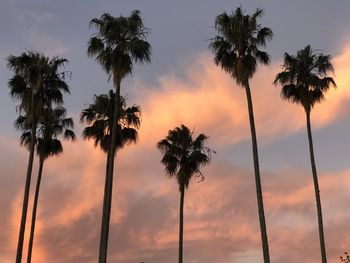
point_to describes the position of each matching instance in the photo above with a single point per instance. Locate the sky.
(183, 85)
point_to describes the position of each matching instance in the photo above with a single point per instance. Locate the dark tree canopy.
(304, 78)
(183, 156)
(118, 42)
(53, 124)
(99, 116)
(236, 46)
(37, 82)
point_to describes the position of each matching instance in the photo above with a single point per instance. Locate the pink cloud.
(208, 99)
(221, 222)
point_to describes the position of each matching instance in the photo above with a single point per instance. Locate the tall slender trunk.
(35, 205)
(26, 195)
(102, 235)
(181, 222)
(264, 240)
(317, 189)
(106, 214)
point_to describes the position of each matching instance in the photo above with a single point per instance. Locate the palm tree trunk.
(265, 243)
(107, 182)
(26, 195)
(35, 205)
(181, 223)
(106, 214)
(317, 189)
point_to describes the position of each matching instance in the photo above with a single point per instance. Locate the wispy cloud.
(209, 100)
(34, 27)
(221, 222)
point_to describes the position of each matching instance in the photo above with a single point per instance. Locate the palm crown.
(237, 43)
(182, 155)
(119, 41)
(99, 116)
(305, 77)
(36, 82)
(53, 124)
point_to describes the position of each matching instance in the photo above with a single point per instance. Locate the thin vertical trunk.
(35, 205)
(107, 183)
(317, 190)
(106, 214)
(264, 240)
(181, 222)
(26, 195)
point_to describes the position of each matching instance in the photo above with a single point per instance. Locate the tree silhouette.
(117, 44)
(236, 49)
(183, 156)
(99, 116)
(53, 124)
(36, 83)
(305, 80)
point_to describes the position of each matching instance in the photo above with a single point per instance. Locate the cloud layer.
(221, 222)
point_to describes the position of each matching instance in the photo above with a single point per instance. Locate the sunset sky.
(183, 85)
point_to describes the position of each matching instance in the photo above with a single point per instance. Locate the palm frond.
(69, 135)
(263, 34)
(25, 139)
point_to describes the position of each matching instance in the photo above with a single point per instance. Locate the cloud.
(209, 100)
(221, 222)
(25, 16)
(34, 27)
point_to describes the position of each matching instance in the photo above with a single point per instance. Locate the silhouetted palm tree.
(236, 49)
(118, 43)
(53, 124)
(36, 83)
(99, 116)
(305, 80)
(183, 157)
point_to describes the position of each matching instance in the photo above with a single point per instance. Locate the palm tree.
(236, 49)
(183, 157)
(36, 83)
(117, 44)
(52, 124)
(305, 80)
(99, 116)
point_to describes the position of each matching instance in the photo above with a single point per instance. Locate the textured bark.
(106, 213)
(317, 190)
(26, 196)
(181, 222)
(35, 205)
(264, 239)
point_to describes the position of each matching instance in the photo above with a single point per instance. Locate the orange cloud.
(221, 222)
(220, 213)
(210, 101)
